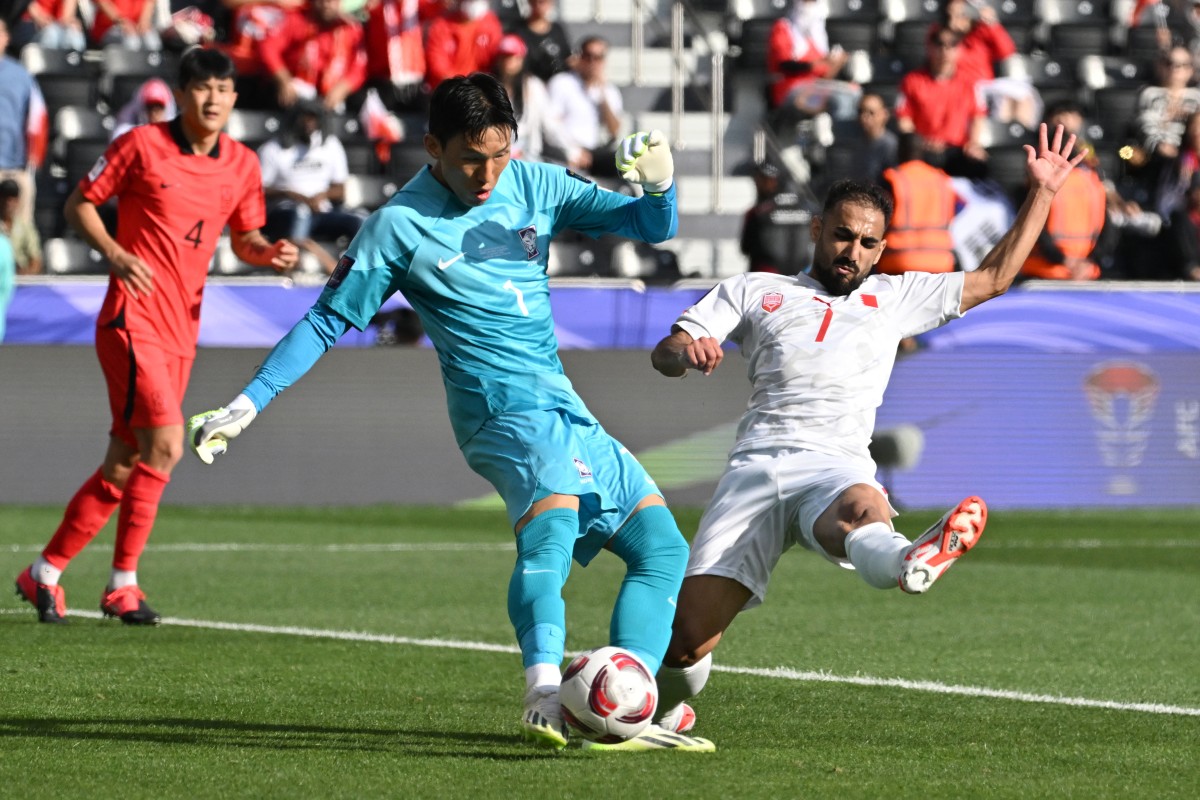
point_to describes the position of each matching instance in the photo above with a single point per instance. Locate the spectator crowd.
(935, 109)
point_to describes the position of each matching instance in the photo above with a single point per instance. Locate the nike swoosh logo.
(671, 600)
(444, 264)
(535, 571)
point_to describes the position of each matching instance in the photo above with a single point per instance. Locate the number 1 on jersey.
(511, 287)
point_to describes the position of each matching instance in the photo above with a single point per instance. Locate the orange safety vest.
(1076, 219)
(918, 239)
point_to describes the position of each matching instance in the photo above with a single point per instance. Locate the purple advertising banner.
(1048, 430)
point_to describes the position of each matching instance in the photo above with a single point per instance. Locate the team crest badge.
(772, 301)
(529, 241)
(585, 473)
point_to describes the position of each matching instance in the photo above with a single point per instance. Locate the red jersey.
(173, 206)
(940, 110)
(784, 45)
(321, 56)
(982, 47)
(128, 9)
(455, 45)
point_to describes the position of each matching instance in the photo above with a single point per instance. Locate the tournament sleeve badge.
(340, 272)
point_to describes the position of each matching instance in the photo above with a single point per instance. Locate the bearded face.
(848, 242)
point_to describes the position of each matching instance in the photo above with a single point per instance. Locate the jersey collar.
(185, 147)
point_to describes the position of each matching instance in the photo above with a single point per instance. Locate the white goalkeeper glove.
(208, 434)
(645, 158)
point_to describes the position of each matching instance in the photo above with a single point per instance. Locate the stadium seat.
(583, 258)
(1071, 41)
(912, 10)
(840, 160)
(1099, 72)
(1005, 134)
(80, 156)
(867, 10)
(368, 191)
(753, 44)
(853, 33)
(908, 42)
(48, 202)
(1141, 44)
(406, 160)
(1016, 15)
(1045, 72)
(64, 77)
(72, 257)
(1057, 12)
(1116, 110)
(1006, 166)
(750, 9)
(81, 122)
(252, 128)
(123, 71)
(37, 60)
(360, 156)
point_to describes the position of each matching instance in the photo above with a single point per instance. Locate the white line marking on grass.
(253, 547)
(1091, 544)
(778, 672)
(496, 547)
(966, 691)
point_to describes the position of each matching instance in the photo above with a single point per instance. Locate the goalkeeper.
(466, 242)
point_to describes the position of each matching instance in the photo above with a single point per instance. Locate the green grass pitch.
(367, 653)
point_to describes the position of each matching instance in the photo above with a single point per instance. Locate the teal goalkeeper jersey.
(477, 278)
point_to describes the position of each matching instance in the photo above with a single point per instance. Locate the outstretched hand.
(1049, 165)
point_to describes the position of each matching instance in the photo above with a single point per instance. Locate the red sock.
(86, 514)
(139, 507)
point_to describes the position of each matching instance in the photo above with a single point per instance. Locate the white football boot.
(542, 723)
(939, 547)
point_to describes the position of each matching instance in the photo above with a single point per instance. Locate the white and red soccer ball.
(608, 695)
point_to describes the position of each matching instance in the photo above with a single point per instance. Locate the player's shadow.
(268, 736)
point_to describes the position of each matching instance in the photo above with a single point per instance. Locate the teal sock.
(535, 604)
(655, 555)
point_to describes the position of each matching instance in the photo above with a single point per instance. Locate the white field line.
(783, 673)
(253, 547)
(490, 547)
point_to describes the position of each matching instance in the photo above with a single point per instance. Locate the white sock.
(876, 551)
(542, 675)
(121, 578)
(44, 572)
(676, 684)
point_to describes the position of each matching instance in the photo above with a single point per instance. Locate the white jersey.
(819, 363)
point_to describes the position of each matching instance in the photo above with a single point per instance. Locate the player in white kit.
(820, 348)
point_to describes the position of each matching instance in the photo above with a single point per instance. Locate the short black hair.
(470, 105)
(203, 63)
(866, 194)
(1065, 105)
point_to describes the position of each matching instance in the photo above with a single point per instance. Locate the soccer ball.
(608, 695)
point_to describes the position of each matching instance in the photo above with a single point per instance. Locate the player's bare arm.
(253, 248)
(1047, 168)
(678, 352)
(85, 219)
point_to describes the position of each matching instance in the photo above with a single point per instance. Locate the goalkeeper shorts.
(529, 455)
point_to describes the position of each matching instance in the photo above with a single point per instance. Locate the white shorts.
(766, 502)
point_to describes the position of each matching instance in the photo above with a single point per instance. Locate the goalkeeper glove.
(208, 434)
(645, 158)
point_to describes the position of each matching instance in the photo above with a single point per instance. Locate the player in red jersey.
(179, 184)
